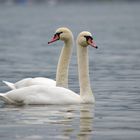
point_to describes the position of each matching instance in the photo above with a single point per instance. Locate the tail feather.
(10, 85)
(5, 99)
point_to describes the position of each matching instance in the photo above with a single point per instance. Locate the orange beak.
(55, 38)
(92, 43)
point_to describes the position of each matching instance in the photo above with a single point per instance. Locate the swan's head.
(63, 34)
(85, 38)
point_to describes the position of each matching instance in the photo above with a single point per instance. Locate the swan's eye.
(88, 37)
(57, 34)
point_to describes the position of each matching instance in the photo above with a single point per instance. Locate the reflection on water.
(86, 122)
(59, 122)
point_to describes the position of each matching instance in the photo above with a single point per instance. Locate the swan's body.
(31, 81)
(41, 94)
(65, 35)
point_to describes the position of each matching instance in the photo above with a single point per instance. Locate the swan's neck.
(84, 80)
(63, 64)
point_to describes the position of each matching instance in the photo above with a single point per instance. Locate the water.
(114, 70)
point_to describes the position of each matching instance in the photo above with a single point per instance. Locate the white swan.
(41, 94)
(65, 35)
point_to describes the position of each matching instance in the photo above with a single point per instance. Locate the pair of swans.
(37, 91)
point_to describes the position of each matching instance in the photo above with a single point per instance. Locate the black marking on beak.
(88, 37)
(57, 34)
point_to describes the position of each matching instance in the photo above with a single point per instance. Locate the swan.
(65, 35)
(41, 94)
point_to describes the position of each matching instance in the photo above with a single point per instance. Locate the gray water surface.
(114, 70)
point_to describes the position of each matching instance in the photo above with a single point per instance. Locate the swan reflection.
(86, 122)
(58, 122)
(79, 124)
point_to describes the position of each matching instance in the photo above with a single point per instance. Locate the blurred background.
(56, 1)
(25, 28)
